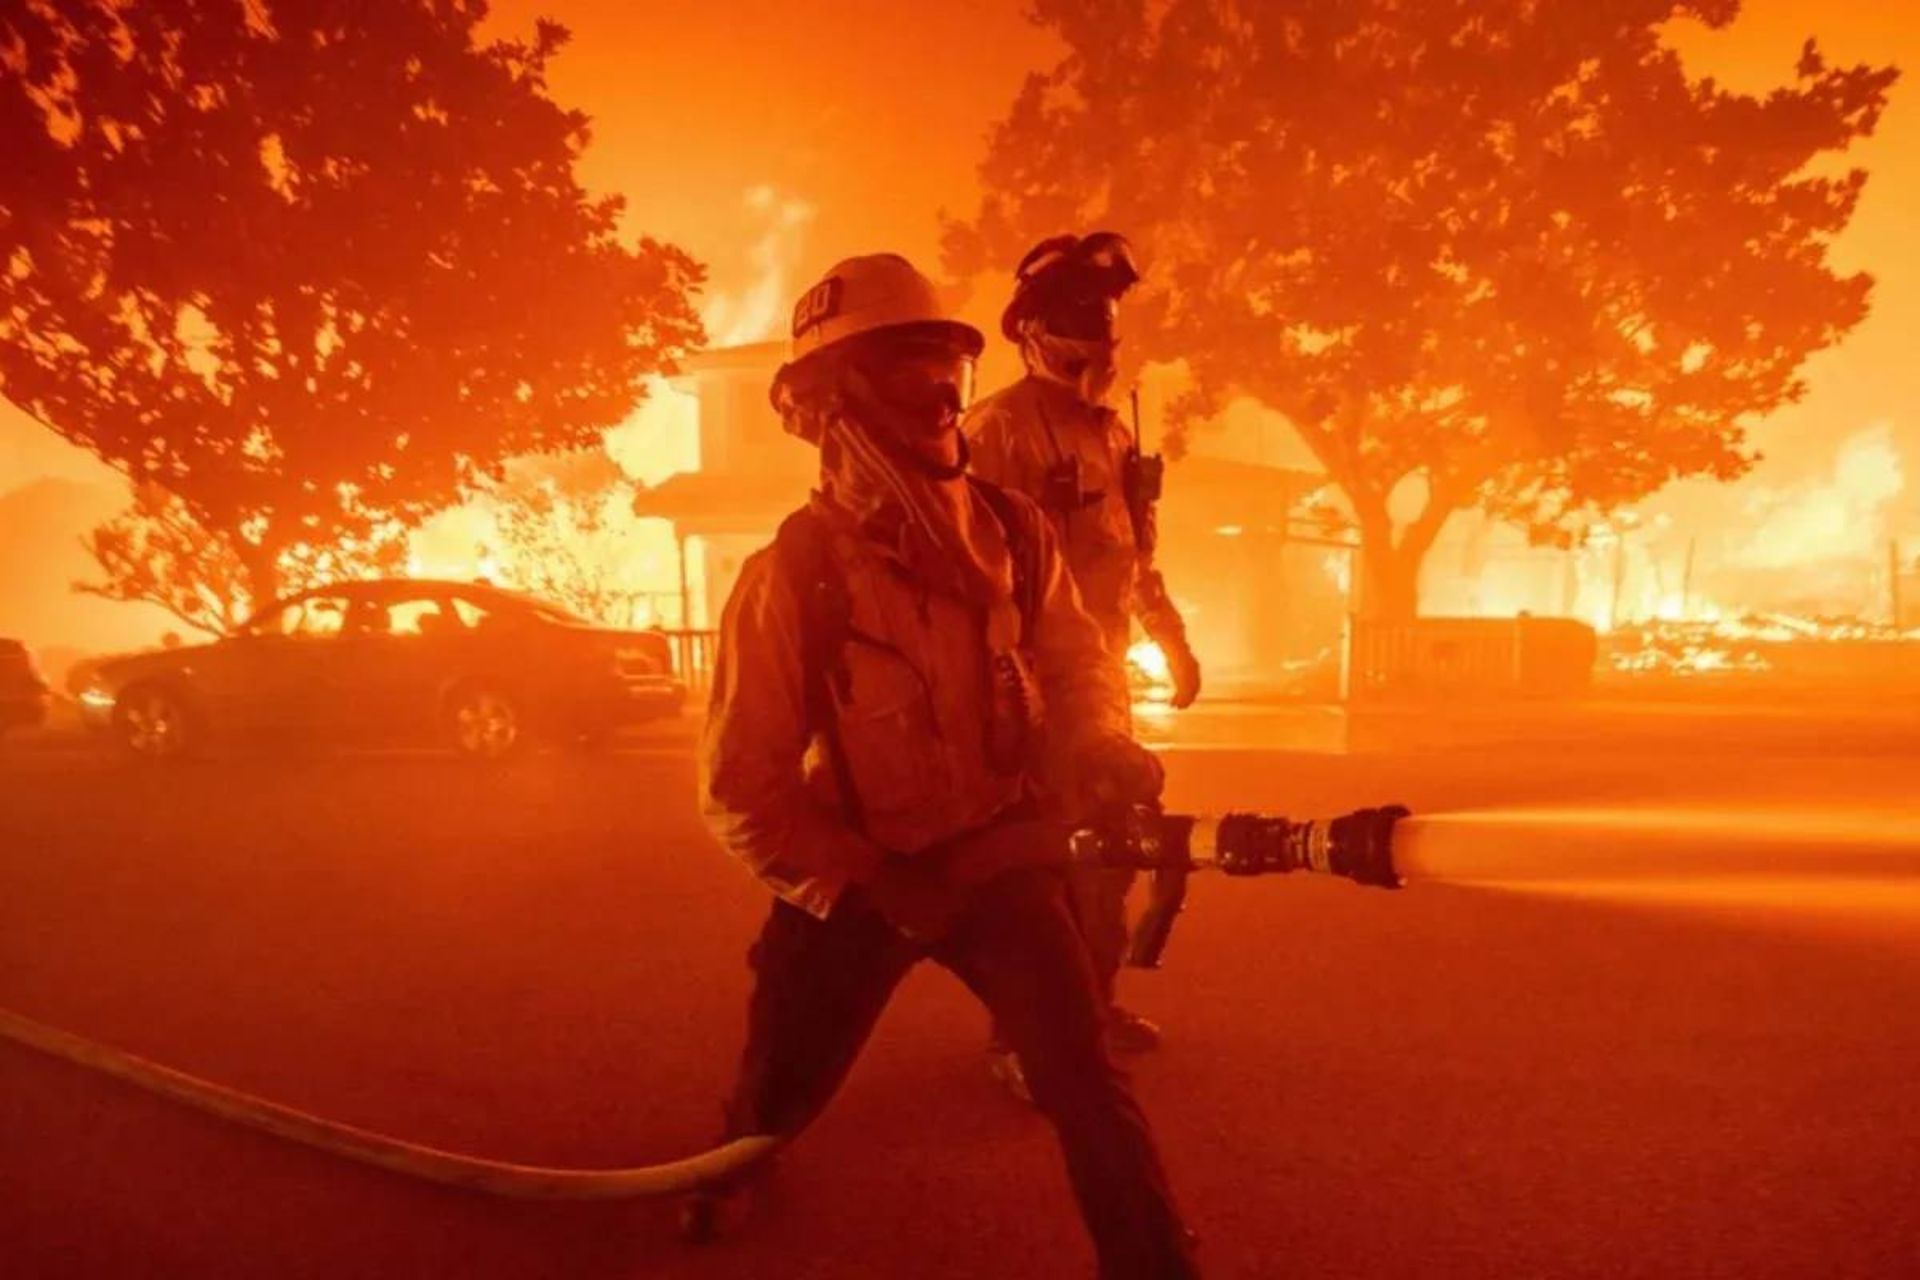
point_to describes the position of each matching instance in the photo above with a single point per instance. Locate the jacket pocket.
(886, 729)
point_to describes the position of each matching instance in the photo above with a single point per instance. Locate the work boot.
(1128, 1032)
(1003, 1064)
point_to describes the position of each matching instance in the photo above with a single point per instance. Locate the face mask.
(1086, 366)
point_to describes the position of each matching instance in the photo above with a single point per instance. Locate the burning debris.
(1754, 643)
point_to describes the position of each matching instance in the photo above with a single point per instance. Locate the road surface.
(544, 963)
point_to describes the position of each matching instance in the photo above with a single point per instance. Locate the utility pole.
(1893, 583)
(1686, 582)
(1619, 577)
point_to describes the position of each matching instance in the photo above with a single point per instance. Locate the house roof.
(712, 502)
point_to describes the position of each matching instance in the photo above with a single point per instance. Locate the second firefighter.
(1053, 437)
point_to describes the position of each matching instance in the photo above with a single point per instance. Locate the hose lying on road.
(494, 1177)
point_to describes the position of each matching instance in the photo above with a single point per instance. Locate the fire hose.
(1356, 846)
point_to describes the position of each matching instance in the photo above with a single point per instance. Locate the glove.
(1185, 670)
(1117, 772)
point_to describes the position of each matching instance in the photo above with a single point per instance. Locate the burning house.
(751, 473)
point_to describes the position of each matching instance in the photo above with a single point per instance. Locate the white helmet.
(866, 295)
(878, 293)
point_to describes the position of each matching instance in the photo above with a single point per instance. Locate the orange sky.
(873, 112)
(861, 119)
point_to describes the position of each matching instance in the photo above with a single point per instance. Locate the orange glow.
(1639, 1004)
(1151, 675)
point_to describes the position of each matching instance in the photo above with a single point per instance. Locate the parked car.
(471, 666)
(23, 691)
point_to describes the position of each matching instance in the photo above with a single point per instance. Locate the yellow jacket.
(912, 713)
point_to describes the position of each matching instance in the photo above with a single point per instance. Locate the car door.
(393, 664)
(271, 675)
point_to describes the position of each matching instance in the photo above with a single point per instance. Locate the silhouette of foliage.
(311, 267)
(567, 533)
(157, 553)
(1503, 252)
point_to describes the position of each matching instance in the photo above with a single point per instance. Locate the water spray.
(1645, 847)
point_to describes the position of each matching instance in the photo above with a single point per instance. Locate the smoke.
(754, 313)
(1844, 516)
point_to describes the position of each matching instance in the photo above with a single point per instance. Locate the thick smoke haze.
(770, 140)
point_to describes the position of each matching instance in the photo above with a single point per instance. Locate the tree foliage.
(566, 531)
(310, 267)
(1493, 251)
(157, 553)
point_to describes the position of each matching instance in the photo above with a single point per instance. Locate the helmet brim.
(964, 338)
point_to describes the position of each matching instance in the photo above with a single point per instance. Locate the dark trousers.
(821, 984)
(1100, 906)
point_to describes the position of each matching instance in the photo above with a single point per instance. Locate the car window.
(471, 612)
(307, 617)
(419, 616)
(273, 622)
(320, 617)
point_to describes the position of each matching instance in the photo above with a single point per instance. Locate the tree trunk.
(262, 564)
(1390, 584)
(1390, 567)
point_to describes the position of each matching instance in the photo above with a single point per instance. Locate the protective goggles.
(914, 370)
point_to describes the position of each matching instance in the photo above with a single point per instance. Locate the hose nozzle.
(1356, 846)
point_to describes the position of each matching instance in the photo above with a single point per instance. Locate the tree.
(157, 553)
(1477, 251)
(567, 532)
(313, 268)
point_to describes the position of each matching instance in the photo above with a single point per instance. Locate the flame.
(1149, 673)
(755, 314)
(1148, 658)
(662, 438)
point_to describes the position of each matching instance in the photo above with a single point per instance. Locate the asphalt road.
(544, 963)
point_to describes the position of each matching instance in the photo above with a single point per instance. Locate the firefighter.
(1053, 437)
(901, 677)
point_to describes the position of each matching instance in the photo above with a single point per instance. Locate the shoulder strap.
(1023, 540)
(804, 547)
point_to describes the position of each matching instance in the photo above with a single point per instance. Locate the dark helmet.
(1070, 285)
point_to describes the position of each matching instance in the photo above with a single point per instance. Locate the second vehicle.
(468, 665)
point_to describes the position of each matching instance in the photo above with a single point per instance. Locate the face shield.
(920, 383)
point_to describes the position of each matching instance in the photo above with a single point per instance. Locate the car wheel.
(484, 722)
(152, 722)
